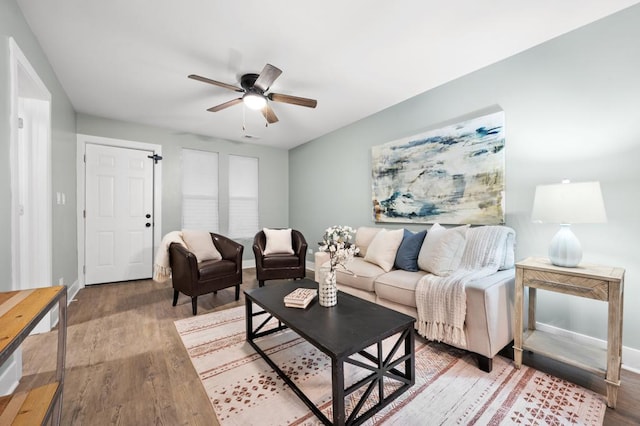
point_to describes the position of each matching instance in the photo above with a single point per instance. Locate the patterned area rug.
(449, 389)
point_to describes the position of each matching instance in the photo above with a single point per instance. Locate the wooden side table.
(591, 281)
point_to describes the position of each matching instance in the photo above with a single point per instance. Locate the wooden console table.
(590, 281)
(20, 312)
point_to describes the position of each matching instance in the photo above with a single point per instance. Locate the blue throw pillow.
(407, 255)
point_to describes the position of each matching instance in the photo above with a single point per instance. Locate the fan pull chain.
(244, 123)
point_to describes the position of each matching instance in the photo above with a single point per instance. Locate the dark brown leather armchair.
(280, 266)
(193, 278)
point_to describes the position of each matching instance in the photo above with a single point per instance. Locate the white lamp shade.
(254, 101)
(569, 203)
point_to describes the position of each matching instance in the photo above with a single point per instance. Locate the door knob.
(147, 224)
(148, 216)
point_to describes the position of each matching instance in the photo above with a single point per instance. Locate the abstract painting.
(451, 175)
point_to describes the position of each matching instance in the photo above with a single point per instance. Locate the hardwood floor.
(127, 366)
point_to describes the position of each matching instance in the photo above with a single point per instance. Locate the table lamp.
(566, 203)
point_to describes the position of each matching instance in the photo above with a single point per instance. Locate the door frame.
(20, 65)
(84, 139)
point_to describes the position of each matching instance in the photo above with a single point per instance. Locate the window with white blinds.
(243, 197)
(200, 190)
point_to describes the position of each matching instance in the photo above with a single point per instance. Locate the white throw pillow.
(383, 248)
(364, 236)
(200, 244)
(442, 249)
(278, 241)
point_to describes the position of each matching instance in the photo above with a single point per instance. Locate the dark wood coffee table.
(341, 332)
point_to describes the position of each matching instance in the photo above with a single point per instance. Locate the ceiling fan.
(254, 87)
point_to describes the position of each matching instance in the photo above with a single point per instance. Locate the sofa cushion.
(364, 236)
(278, 241)
(200, 244)
(382, 250)
(442, 249)
(407, 256)
(360, 274)
(398, 286)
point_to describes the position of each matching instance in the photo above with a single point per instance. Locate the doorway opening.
(31, 212)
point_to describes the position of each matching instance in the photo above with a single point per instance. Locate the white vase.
(327, 290)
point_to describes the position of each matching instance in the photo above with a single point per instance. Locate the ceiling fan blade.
(267, 77)
(215, 83)
(295, 100)
(269, 115)
(225, 105)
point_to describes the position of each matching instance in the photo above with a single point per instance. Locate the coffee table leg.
(249, 318)
(337, 384)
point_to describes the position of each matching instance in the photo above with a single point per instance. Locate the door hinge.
(20, 123)
(84, 269)
(84, 214)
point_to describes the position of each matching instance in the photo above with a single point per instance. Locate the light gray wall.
(273, 169)
(12, 24)
(572, 111)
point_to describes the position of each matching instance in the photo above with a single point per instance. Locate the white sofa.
(488, 324)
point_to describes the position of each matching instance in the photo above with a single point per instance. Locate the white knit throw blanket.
(442, 302)
(161, 267)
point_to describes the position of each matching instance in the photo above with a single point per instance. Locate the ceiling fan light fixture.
(254, 100)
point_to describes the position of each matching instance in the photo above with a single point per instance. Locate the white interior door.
(118, 214)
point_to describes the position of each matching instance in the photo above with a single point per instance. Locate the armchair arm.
(184, 265)
(259, 243)
(299, 246)
(229, 249)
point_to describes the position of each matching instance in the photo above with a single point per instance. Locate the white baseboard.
(630, 356)
(246, 264)
(12, 371)
(72, 291)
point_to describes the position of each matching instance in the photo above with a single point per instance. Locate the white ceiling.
(129, 59)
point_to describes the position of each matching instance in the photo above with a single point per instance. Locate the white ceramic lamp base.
(565, 249)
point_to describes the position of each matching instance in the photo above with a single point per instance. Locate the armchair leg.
(194, 304)
(175, 297)
(260, 283)
(237, 291)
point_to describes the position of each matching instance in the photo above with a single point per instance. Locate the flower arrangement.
(337, 242)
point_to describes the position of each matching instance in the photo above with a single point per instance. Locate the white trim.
(24, 82)
(157, 190)
(72, 291)
(310, 265)
(630, 356)
(10, 377)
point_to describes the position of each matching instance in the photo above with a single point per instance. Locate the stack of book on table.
(300, 297)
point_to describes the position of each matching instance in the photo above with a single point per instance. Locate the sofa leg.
(260, 283)
(485, 364)
(238, 292)
(215, 291)
(194, 304)
(175, 297)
